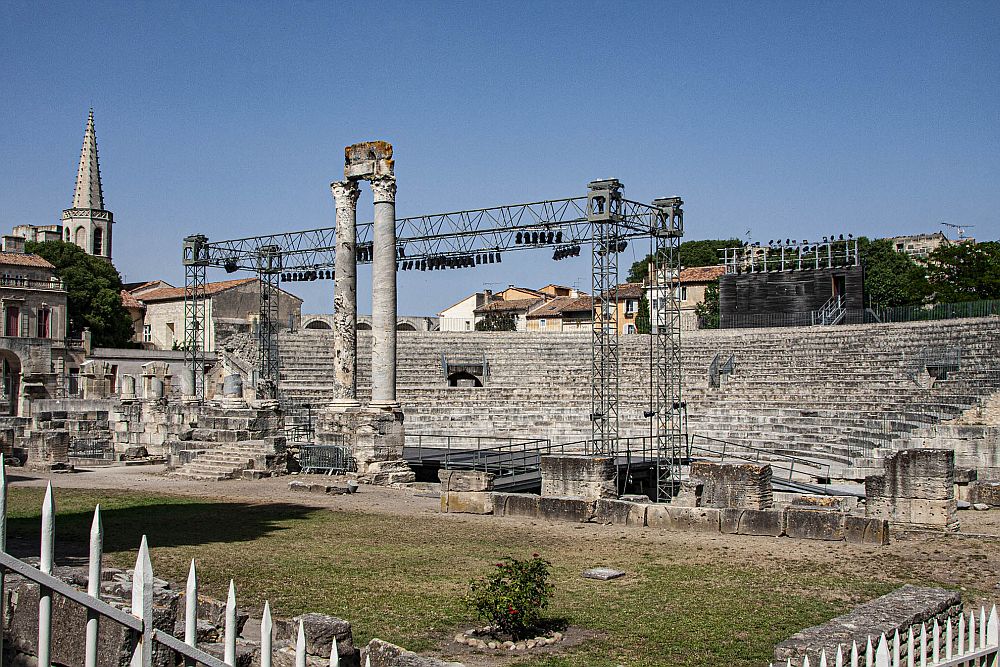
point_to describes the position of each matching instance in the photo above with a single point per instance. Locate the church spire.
(88, 194)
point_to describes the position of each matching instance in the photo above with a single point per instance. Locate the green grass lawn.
(402, 578)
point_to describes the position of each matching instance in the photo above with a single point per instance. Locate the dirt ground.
(969, 560)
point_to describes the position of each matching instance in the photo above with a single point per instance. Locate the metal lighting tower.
(604, 212)
(668, 406)
(195, 259)
(268, 272)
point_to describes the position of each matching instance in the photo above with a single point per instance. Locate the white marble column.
(345, 296)
(384, 294)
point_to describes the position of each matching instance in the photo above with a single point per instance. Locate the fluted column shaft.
(384, 294)
(345, 295)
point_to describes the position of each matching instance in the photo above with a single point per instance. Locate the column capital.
(345, 194)
(384, 188)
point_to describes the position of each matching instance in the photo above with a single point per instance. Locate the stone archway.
(10, 383)
(364, 326)
(405, 326)
(318, 324)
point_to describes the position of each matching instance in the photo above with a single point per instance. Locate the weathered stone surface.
(383, 654)
(699, 519)
(589, 477)
(752, 522)
(467, 502)
(620, 512)
(988, 493)
(320, 630)
(743, 485)
(602, 573)
(814, 524)
(865, 530)
(575, 510)
(897, 611)
(515, 504)
(465, 480)
(927, 474)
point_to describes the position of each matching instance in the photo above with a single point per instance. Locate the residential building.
(518, 308)
(519, 301)
(562, 314)
(693, 283)
(231, 307)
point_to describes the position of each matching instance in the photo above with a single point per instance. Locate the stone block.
(916, 473)
(515, 504)
(577, 475)
(988, 493)
(467, 502)
(465, 480)
(379, 653)
(320, 631)
(735, 521)
(865, 530)
(744, 485)
(565, 508)
(814, 524)
(698, 519)
(620, 512)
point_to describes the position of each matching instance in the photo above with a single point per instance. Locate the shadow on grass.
(165, 524)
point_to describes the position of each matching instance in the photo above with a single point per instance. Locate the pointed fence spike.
(230, 651)
(882, 652)
(993, 628)
(869, 653)
(805, 661)
(923, 645)
(854, 654)
(839, 660)
(368, 661)
(936, 643)
(982, 626)
(895, 650)
(822, 658)
(94, 585)
(266, 636)
(972, 630)
(948, 637)
(334, 653)
(961, 633)
(142, 605)
(300, 647)
(45, 565)
(910, 649)
(191, 611)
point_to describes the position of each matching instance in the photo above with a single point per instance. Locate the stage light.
(231, 266)
(499, 259)
(559, 236)
(518, 238)
(552, 235)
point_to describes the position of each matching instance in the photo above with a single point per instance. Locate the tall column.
(345, 296)
(384, 294)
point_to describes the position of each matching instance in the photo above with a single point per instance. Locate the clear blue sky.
(781, 118)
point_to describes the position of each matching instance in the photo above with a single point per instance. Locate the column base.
(375, 437)
(343, 404)
(392, 406)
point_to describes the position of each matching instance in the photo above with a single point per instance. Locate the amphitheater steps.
(228, 461)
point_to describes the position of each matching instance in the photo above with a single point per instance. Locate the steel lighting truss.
(669, 408)
(603, 218)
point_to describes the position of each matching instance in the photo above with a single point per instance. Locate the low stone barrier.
(466, 491)
(808, 523)
(741, 485)
(917, 490)
(988, 493)
(898, 611)
(589, 477)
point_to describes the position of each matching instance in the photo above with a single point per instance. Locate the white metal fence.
(971, 644)
(140, 618)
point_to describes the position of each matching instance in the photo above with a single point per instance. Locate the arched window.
(81, 237)
(98, 241)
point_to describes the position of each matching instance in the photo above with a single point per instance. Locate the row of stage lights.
(306, 276)
(536, 238)
(566, 251)
(454, 262)
(776, 243)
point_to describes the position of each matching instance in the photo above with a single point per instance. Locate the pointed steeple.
(88, 194)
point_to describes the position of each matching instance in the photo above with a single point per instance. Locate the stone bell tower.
(86, 223)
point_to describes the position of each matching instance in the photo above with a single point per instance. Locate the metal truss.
(669, 409)
(604, 212)
(194, 257)
(269, 368)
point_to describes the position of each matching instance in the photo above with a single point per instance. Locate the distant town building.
(562, 314)
(693, 283)
(231, 306)
(920, 245)
(517, 301)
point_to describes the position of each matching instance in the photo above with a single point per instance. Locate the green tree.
(93, 290)
(643, 324)
(708, 310)
(891, 278)
(495, 321)
(965, 272)
(693, 253)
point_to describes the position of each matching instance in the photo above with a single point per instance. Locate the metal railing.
(503, 457)
(30, 283)
(92, 448)
(326, 459)
(783, 463)
(832, 312)
(898, 314)
(139, 618)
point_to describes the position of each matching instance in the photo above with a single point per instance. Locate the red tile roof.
(701, 274)
(505, 306)
(563, 304)
(171, 293)
(130, 301)
(22, 259)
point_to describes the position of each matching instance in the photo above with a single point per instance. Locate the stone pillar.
(384, 294)
(128, 388)
(345, 296)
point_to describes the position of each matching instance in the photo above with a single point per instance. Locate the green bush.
(512, 597)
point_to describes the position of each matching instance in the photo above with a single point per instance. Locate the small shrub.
(512, 597)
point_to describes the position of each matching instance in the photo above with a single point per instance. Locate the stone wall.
(976, 446)
(588, 477)
(896, 612)
(917, 490)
